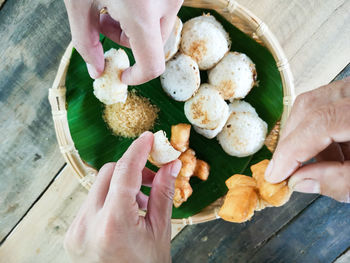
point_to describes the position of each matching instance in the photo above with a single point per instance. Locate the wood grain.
(39, 236)
(221, 241)
(313, 33)
(33, 36)
(2, 2)
(345, 258)
(319, 234)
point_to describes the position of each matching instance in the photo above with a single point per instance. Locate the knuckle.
(75, 235)
(344, 90)
(107, 167)
(167, 192)
(325, 115)
(304, 100)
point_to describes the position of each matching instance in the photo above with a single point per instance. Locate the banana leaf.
(97, 145)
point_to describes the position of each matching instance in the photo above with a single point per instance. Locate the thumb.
(161, 198)
(327, 178)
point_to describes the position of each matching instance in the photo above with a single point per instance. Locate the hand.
(108, 227)
(319, 126)
(142, 25)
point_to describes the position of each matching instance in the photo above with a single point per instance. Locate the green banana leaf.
(97, 145)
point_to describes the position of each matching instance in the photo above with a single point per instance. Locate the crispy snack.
(183, 190)
(180, 136)
(202, 170)
(274, 194)
(247, 194)
(188, 159)
(241, 199)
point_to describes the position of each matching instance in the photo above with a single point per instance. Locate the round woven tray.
(239, 17)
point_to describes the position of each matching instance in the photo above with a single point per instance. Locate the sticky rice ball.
(109, 88)
(241, 106)
(162, 152)
(173, 43)
(244, 132)
(205, 40)
(210, 134)
(206, 108)
(234, 76)
(181, 78)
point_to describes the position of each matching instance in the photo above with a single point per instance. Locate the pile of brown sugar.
(132, 118)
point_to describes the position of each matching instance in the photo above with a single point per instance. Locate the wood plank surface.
(345, 258)
(2, 2)
(39, 236)
(313, 33)
(34, 35)
(319, 234)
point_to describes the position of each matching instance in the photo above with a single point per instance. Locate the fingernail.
(175, 168)
(269, 170)
(92, 71)
(307, 186)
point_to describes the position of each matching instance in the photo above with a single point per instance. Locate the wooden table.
(39, 197)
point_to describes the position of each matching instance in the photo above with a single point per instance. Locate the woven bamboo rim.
(234, 13)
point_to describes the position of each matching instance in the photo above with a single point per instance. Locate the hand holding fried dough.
(248, 194)
(318, 127)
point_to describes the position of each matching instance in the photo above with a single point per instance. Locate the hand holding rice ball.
(109, 88)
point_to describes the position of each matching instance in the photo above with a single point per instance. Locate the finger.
(326, 178)
(84, 24)
(127, 177)
(345, 147)
(142, 200)
(167, 24)
(111, 29)
(307, 102)
(161, 198)
(314, 134)
(147, 176)
(99, 189)
(332, 153)
(147, 47)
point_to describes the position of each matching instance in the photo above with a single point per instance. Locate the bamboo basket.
(235, 14)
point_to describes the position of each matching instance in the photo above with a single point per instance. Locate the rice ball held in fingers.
(234, 76)
(162, 152)
(205, 40)
(109, 88)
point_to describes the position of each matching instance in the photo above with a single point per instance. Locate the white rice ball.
(210, 134)
(206, 108)
(173, 43)
(244, 132)
(234, 76)
(109, 88)
(181, 78)
(205, 40)
(241, 106)
(162, 152)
